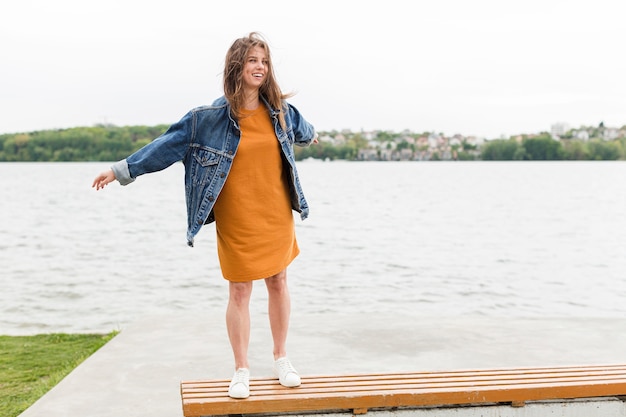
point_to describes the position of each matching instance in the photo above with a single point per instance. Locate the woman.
(240, 172)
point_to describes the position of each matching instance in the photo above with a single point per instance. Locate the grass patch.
(31, 365)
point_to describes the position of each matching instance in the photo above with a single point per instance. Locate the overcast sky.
(481, 67)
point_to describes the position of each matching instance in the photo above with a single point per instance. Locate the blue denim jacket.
(206, 140)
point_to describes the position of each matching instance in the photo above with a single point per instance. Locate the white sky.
(481, 67)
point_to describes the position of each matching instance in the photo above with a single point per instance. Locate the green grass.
(31, 365)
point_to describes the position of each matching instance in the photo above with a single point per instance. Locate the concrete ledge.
(139, 372)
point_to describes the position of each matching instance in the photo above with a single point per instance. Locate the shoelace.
(241, 376)
(285, 367)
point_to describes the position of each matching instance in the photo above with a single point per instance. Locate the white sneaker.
(286, 373)
(240, 385)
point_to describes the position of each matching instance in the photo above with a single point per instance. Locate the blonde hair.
(233, 76)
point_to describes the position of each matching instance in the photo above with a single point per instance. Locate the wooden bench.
(359, 393)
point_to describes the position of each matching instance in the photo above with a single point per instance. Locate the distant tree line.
(347, 150)
(544, 148)
(97, 143)
(112, 143)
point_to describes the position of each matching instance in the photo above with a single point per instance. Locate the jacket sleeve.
(303, 131)
(159, 154)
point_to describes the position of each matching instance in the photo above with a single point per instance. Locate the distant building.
(558, 129)
(433, 140)
(367, 155)
(456, 140)
(582, 134)
(610, 133)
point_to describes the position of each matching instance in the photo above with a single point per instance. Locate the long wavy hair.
(233, 76)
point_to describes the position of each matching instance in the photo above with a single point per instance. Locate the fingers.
(101, 181)
(97, 182)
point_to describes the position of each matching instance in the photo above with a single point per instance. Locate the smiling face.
(249, 74)
(255, 69)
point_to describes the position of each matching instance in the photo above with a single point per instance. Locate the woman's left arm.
(303, 132)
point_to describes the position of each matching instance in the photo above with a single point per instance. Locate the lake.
(495, 239)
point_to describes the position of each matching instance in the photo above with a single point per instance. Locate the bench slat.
(359, 392)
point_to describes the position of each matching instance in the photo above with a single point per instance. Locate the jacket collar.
(273, 112)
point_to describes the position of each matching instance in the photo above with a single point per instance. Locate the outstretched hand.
(103, 179)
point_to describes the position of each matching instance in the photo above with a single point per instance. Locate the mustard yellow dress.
(253, 217)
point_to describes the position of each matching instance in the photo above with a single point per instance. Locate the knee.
(239, 292)
(277, 283)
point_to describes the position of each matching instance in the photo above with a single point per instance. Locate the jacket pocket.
(204, 165)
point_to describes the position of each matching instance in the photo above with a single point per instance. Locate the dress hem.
(265, 275)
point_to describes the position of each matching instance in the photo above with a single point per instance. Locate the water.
(435, 239)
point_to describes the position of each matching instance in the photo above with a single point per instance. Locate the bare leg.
(238, 321)
(279, 307)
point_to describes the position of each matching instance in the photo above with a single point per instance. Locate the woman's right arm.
(157, 155)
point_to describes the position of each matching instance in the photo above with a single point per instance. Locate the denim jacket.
(206, 141)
